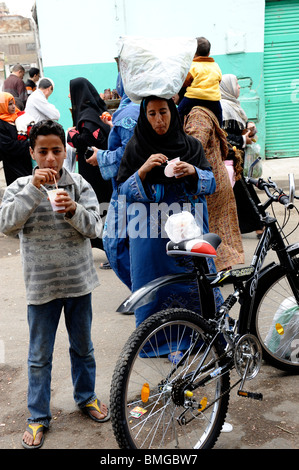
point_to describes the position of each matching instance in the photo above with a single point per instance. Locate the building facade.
(258, 41)
(18, 42)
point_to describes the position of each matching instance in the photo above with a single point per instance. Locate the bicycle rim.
(160, 410)
(277, 323)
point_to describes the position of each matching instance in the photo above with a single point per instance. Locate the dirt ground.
(269, 424)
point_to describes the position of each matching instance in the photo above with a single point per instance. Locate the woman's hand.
(107, 118)
(182, 169)
(93, 161)
(248, 139)
(107, 121)
(249, 133)
(154, 160)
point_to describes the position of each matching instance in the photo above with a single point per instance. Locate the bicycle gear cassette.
(248, 356)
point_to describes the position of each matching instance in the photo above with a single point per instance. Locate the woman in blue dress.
(115, 240)
(152, 196)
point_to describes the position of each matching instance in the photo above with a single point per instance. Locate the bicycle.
(180, 399)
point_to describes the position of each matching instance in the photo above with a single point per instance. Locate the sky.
(21, 7)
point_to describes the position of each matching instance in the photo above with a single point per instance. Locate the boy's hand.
(64, 199)
(43, 175)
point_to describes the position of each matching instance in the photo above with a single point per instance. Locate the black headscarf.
(174, 143)
(87, 105)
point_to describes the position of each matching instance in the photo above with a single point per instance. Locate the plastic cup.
(52, 195)
(170, 166)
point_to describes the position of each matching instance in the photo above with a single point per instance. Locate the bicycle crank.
(248, 360)
(248, 357)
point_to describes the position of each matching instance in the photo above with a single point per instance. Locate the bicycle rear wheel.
(276, 320)
(152, 405)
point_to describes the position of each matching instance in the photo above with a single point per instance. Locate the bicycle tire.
(162, 425)
(275, 320)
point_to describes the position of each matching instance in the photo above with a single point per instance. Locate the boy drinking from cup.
(59, 272)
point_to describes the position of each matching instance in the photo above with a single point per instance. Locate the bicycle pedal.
(255, 396)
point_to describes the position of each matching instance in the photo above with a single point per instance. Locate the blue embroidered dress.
(154, 197)
(148, 258)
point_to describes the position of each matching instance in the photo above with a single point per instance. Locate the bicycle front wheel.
(153, 404)
(276, 320)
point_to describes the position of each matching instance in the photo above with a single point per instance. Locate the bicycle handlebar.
(282, 198)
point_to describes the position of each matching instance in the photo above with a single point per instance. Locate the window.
(14, 49)
(30, 46)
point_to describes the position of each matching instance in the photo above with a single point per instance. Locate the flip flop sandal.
(96, 405)
(105, 265)
(34, 429)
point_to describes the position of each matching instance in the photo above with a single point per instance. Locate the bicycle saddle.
(205, 246)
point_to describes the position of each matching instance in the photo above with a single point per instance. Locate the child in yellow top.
(202, 82)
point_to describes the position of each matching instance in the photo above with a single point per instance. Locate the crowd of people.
(121, 163)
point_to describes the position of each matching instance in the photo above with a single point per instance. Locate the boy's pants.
(43, 322)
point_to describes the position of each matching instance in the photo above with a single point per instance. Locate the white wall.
(86, 31)
(77, 31)
(212, 19)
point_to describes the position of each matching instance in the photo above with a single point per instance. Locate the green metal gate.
(281, 78)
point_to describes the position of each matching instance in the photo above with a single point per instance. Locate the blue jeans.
(43, 322)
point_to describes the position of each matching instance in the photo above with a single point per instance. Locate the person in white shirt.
(38, 105)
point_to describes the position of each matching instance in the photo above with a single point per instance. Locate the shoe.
(105, 265)
(34, 429)
(96, 405)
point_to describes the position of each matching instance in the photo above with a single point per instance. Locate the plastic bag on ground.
(286, 319)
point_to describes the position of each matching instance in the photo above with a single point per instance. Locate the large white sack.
(154, 66)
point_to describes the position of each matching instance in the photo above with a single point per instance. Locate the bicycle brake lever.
(273, 184)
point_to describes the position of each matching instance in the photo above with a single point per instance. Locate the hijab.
(5, 98)
(87, 105)
(174, 143)
(231, 108)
